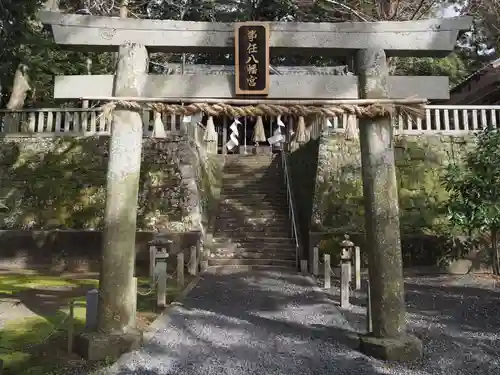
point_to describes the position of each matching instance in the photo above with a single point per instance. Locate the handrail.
(291, 206)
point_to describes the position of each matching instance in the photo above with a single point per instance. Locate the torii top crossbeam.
(433, 37)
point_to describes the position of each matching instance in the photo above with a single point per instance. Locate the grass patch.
(17, 283)
(37, 345)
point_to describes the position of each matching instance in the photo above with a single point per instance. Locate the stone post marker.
(116, 321)
(388, 339)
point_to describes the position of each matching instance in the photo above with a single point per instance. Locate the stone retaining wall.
(332, 202)
(54, 189)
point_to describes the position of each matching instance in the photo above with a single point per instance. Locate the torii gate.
(368, 43)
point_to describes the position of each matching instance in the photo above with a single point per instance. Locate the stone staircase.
(252, 227)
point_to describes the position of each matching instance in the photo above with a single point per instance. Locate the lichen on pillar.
(388, 340)
(118, 258)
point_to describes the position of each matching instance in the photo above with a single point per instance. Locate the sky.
(449, 12)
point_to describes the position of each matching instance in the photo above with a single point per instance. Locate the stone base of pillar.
(404, 348)
(95, 346)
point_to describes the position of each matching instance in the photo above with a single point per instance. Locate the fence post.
(152, 263)
(369, 307)
(134, 296)
(180, 269)
(345, 273)
(315, 261)
(199, 254)
(193, 261)
(357, 267)
(328, 272)
(161, 288)
(204, 265)
(303, 266)
(71, 326)
(91, 309)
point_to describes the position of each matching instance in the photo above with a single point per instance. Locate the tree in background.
(474, 187)
(24, 40)
(487, 21)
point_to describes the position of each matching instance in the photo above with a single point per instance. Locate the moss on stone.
(60, 183)
(338, 192)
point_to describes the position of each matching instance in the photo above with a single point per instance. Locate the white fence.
(439, 119)
(72, 121)
(451, 120)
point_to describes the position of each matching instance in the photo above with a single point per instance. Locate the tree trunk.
(495, 255)
(20, 88)
(124, 9)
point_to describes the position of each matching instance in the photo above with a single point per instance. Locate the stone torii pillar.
(116, 330)
(388, 339)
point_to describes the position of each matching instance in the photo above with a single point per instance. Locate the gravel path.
(456, 317)
(277, 323)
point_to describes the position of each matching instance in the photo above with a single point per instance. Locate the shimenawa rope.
(263, 109)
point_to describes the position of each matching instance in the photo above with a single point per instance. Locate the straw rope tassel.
(308, 130)
(158, 128)
(259, 135)
(210, 133)
(351, 128)
(301, 136)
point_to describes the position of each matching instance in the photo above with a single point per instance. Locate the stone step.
(255, 203)
(277, 183)
(251, 237)
(263, 170)
(261, 160)
(277, 187)
(244, 268)
(251, 160)
(229, 212)
(262, 247)
(263, 229)
(253, 164)
(251, 197)
(256, 211)
(251, 156)
(252, 223)
(257, 188)
(249, 193)
(271, 251)
(245, 240)
(238, 217)
(254, 197)
(232, 211)
(236, 205)
(252, 169)
(250, 177)
(251, 262)
(250, 254)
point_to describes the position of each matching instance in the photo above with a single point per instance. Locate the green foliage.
(453, 66)
(474, 204)
(474, 186)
